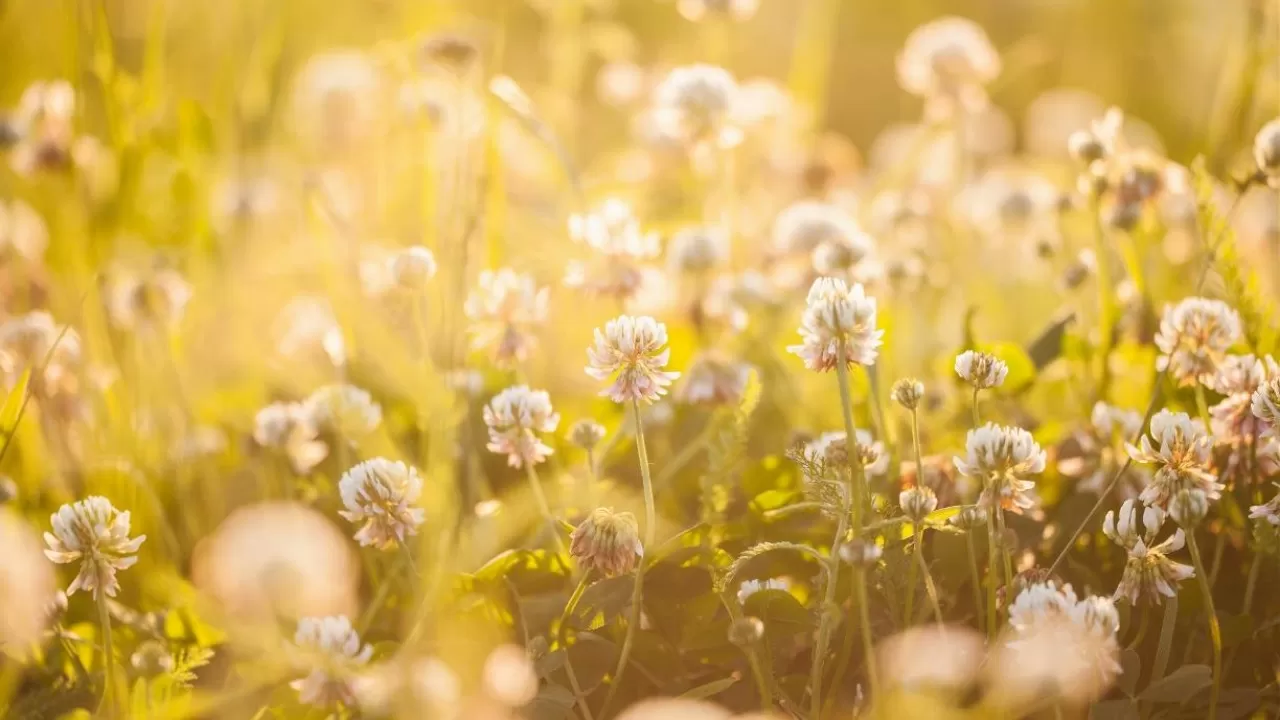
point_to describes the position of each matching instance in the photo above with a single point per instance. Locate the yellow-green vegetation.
(639, 359)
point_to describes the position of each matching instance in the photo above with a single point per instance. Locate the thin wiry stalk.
(977, 418)
(764, 680)
(109, 704)
(828, 616)
(1215, 630)
(560, 641)
(908, 609)
(650, 532)
(929, 587)
(1106, 301)
(975, 578)
(1005, 555)
(992, 583)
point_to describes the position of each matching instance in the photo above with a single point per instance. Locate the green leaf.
(1179, 686)
(554, 702)
(1130, 670)
(603, 601)
(935, 520)
(710, 689)
(1022, 369)
(778, 609)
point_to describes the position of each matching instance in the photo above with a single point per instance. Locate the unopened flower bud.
(586, 434)
(411, 268)
(917, 502)
(1085, 147)
(861, 554)
(907, 392)
(151, 659)
(1189, 507)
(608, 542)
(746, 631)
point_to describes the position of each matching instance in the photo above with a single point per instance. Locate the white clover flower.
(1102, 450)
(148, 300)
(695, 104)
(713, 379)
(381, 493)
(698, 249)
(26, 584)
(632, 349)
(1149, 574)
(981, 370)
(970, 517)
(1265, 403)
(504, 309)
(335, 100)
(1268, 512)
(751, 587)
(954, 652)
(290, 428)
(1111, 421)
(1188, 507)
(830, 450)
(948, 61)
(25, 342)
(1002, 457)
(345, 410)
(1064, 643)
(607, 541)
(805, 225)
(1194, 337)
(838, 325)
(94, 533)
(515, 416)
(619, 250)
(333, 649)
(44, 127)
(412, 268)
(1181, 453)
(307, 327)
(1266, 150)
(917, 502)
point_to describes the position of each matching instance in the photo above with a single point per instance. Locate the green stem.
(560, 641)
(1202, 406)
(975, 577)
(1167, 626)
(929, 587)
(908, 611)
(992, 583)
(109, 703)
(1106, 301)
(384, 591)
(828, 616)
(1142, 628)
(868, 645)
(1215, 631)
(764, 681)
(650, 532)
(977, 418)
(1005, 555)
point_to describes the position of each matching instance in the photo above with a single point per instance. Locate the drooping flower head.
(514, 417)
(1194, 338)
(332, 648)
(907, 392)
(917, 502)
(631, 351)
(504, 309)
(381, 493)
(981, 370)
(607, 541)
(1181, 450)
(94, 533)
(1149, 574)
(1002, 458)
(838, 325)
(830, 452)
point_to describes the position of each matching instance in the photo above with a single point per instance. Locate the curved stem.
(764, 681)
(908, 610)
(1215, 631)
(828, 615)
(975, 578)
(560, 641)
(650, 531)
(929, 587)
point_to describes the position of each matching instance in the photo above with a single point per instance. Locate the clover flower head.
(948, 62)
(381, 493)
(345, 410)
(504, 309)
(1149, 574)
(1194, 337)
(290, 428)
(96, 535)
(514, 418)
(838, 325)
(695, 103)
(698, 249)
(917, 502)
(335, 651)
(1002, 457)
(607, 541)
(631, 351)
(1180, 448)
(981, 370)
(1078, 634)
(713, 379)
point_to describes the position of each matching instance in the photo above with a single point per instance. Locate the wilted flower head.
(413, 267)
(917, 502)
(26, 584)
(1180, 448)
(290, 428)
(277, 559)
(751, 587)
(515, 416)
(948, 61)
(698, 249)
(1268, 512)
(1266, 150)
(632, 348)
(381, 493)
(148, 300)
(838, 325)
(1149, 574)
(94, 533)
(695, 103)
(334, 651)
(907, 392)
(1194, 337)
(344, 410)
(713, 378)
(607, 541)
(830, 452)
(1058, 642)
(586, 434)
(504, 309)
(981, 370)
(1002, 457)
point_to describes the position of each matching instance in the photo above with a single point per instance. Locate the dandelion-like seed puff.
(514, 417)
(630, 351)
(838, 325)
(96, 534)
(1003, 457)
(1194, 337)
(380, 493)
(1181, 450)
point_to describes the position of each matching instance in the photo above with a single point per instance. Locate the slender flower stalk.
(109, 703)
(1215, 630)
(975, 579)
(824, 625)
(929, 587)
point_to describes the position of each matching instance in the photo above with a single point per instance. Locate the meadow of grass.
(639, 359)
